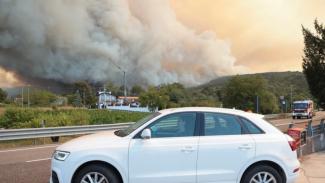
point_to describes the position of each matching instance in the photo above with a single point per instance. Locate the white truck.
(303, 108)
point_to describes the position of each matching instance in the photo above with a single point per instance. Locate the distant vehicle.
(304, 108)
(192, 145)
(134, 104)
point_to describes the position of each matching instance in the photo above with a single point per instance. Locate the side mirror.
(146, 134)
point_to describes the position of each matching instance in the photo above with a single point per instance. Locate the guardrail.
(278, 116)
(56, 132)
(291, 124)
(311, 138)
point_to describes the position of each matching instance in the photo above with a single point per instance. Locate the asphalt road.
(32, 164)
(283, 124)
(26, 165)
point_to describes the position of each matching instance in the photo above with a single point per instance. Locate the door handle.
(187, 149)
(245, 147)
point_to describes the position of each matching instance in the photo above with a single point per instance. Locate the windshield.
(131, 128)
(300, 105)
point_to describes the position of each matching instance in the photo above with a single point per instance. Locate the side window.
(221, 124)
(174, 125)
(251, 127)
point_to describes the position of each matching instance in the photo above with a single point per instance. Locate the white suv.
(183, 145)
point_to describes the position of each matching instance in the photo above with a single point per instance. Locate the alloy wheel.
(94, 177)
(263, 177)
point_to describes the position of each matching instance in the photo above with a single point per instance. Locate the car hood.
(97, 140)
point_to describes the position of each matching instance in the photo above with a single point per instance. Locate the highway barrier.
(56, 132)
(277, 116)
(311, 136)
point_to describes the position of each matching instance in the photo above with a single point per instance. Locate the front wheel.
(96, 174)
(262, 174)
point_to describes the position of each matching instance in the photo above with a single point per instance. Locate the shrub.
(32, 118)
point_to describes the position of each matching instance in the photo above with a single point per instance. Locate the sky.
(264, 35)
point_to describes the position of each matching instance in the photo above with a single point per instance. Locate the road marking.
(36, 160)
(26, 149)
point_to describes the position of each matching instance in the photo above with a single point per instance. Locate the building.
(105, 99)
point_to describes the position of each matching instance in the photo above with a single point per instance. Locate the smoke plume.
(72, 40)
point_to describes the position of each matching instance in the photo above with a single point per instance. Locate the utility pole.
(105, 97)
(124, 83)
(22, 97)
(124, 76)
(28, 102)
(257, 104)
(84, 98)
(291, 97)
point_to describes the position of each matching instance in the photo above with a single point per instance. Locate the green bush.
(32, 118)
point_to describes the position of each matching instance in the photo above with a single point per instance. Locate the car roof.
(211, 109)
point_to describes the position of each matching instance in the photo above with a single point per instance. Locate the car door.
(223, 148)
(170, 154)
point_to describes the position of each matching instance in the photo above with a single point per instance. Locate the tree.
(154, 99)
(136, 90)
(241, 92)
(314, 61)
(116, 90)
(85, 92)
(176, 92)
(3, 95)
(76, 99)
(40, 98)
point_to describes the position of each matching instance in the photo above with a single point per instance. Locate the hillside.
(279, 83)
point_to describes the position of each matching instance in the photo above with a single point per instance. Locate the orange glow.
(8, 79)
(265, 34)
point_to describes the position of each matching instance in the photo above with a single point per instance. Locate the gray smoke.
(72, 40)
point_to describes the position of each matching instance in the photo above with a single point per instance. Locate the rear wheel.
(96, 173)
(262, 174)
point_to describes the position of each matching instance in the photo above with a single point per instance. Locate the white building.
(105, 99)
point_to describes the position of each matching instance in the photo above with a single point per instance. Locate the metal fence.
(277, 116)
(313, 138)
(30, 133)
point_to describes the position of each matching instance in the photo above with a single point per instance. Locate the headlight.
(60, 155)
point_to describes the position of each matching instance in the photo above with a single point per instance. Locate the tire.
(263, 170)
(293, 117)
(102, 171)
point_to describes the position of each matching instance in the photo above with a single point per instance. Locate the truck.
(303, 108)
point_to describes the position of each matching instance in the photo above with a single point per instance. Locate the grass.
(33, 117)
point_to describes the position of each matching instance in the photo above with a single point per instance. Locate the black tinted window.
(221, 124)
(174, 125)
(252, 128)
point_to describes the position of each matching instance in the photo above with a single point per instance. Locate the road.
(32, 164)
(29, 164)
(284, 123)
